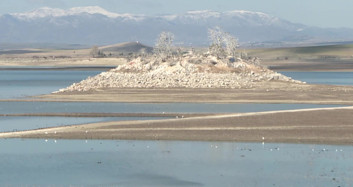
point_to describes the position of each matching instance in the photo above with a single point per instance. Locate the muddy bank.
(269, 92)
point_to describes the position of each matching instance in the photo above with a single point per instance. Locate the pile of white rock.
(188, 71)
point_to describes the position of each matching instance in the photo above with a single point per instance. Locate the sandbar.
(318, 126)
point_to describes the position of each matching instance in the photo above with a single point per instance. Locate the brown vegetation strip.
(326, 126)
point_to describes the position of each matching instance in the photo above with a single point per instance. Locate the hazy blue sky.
(323, 13)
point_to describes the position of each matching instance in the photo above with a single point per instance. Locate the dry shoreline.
(320, 126)
(267, 92)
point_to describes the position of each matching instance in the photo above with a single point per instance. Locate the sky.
(321, 13)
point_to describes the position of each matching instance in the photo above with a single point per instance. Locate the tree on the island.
(231, 44)
(216, 38)
(222, 43)
(164, 45)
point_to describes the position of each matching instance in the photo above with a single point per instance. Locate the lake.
(172, 163)
(23, 83)
(50, 162)
(331, 78)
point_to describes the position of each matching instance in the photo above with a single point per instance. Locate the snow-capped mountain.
(55, 12)
(95, 25)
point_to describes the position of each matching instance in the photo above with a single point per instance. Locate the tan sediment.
(324, 126)
(266, 92)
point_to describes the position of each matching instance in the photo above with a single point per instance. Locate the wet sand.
(321, 126)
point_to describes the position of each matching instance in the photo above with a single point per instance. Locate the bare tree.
(164, 45)
(222, 43)
(215, 35)
(231, 44)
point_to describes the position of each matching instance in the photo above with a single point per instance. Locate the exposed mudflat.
(324, 126)
(266, 92)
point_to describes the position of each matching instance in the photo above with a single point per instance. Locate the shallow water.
(331, 78)
(8, 124)
(172, 163)
(151, 163)
(24, 83)
(88, 107)
(26, 123)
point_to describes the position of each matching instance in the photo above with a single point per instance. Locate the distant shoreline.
(108, 67)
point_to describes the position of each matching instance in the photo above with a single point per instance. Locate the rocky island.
(189, 71)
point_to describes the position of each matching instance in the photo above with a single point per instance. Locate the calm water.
(154, 163)
(27, 123)
(333, 78)
(18, 84)
(172, 163)
(86, 107)
(8, 124)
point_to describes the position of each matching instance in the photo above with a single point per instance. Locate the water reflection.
(173, 163)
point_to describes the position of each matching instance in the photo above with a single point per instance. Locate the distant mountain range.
(96, 26)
